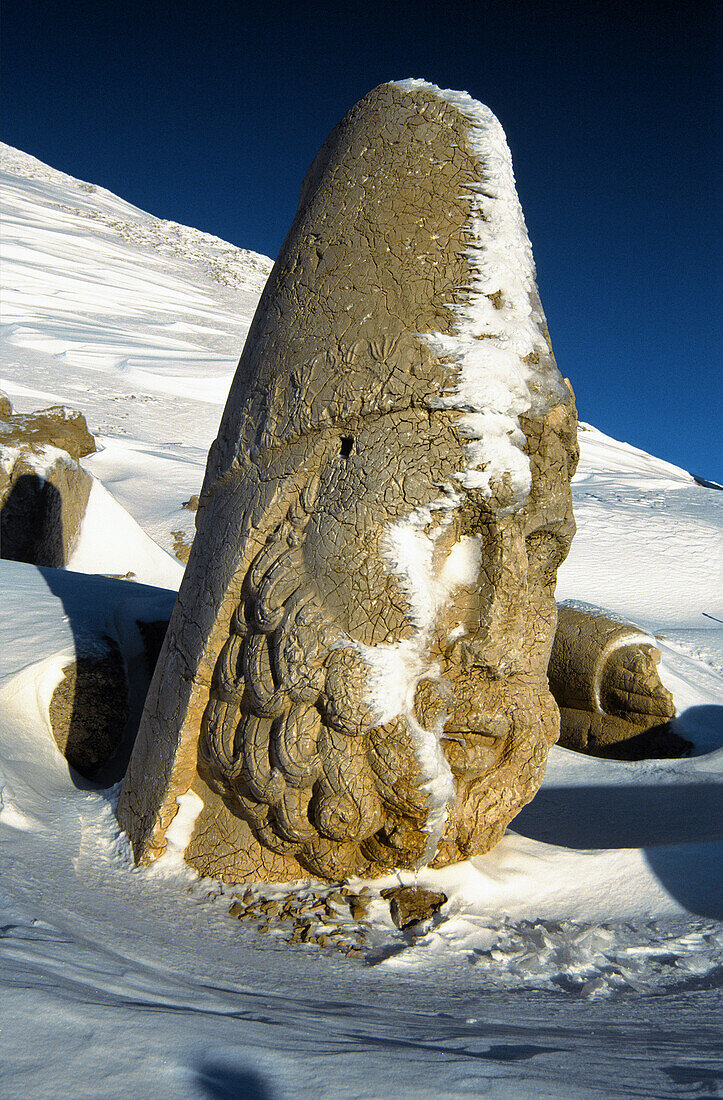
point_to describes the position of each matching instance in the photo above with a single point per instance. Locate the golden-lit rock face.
(354, 677)
(603, 674)
(44, 490)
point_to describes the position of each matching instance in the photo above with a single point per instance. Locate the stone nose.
(498, 644)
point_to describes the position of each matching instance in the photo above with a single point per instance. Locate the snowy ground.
(581, 958)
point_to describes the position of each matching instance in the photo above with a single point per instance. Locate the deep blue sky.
(209, 113)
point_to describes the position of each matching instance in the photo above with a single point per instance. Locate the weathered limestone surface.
(410, 904)
(354, 677)
(57, 426)
(41, 512)
(43, 490)
(603, 675)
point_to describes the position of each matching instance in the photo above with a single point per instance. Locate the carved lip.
(460, 732)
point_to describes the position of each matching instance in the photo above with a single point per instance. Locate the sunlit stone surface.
(354, 677)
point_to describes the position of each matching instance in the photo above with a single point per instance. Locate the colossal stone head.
(354, 677)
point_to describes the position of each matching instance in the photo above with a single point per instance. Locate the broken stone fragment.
(43, 499)
(57, 426)
(409, 905)
(614, 738)
(604, 676)
(43, 490)
(308, 917)
(358, 909)
(181, 545)
(95, 709)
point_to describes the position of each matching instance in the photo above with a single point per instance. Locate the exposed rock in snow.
(591, 927)
(603, 674)
(379, 624)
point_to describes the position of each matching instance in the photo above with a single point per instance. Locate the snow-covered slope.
(591, 928)
(135, 320)
(670, 569)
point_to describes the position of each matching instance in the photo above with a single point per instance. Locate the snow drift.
(606, 888)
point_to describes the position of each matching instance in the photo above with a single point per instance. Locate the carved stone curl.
(603, 674)
(354, 677)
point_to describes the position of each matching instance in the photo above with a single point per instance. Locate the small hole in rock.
(346, 445)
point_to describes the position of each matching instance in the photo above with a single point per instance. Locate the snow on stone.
(494, 350)
(396, 668)
(592, 925)
(178, 836)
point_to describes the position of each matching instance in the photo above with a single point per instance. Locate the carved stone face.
(494, 643)
(354, 677)
(479, 674)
